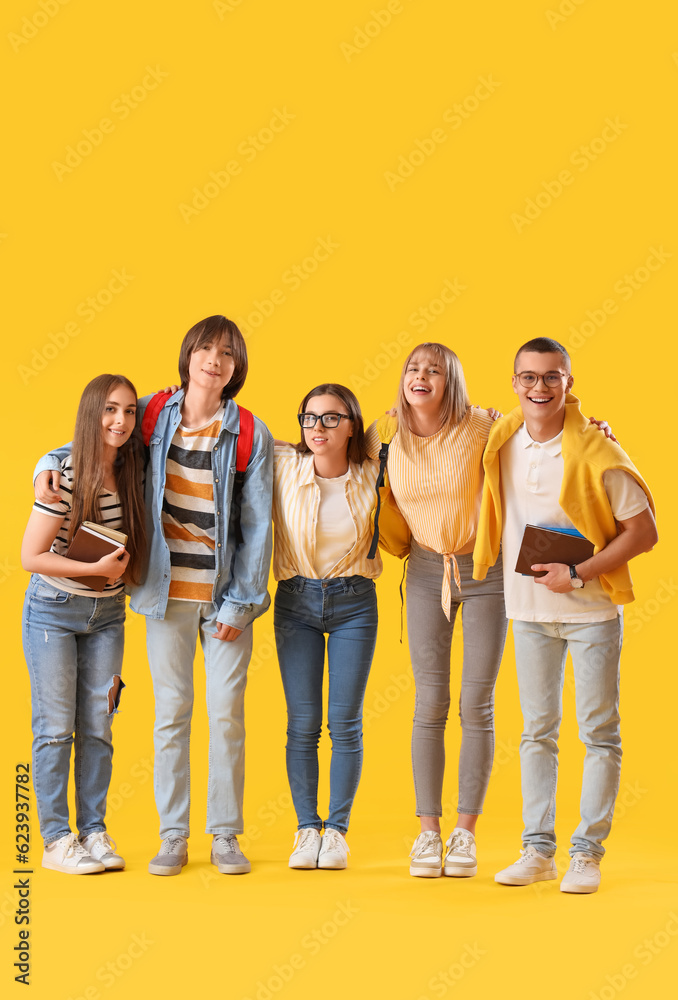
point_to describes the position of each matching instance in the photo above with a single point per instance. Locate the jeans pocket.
(361, 585)
(50, 595)
(287, 586)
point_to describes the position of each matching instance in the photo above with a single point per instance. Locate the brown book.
(549, 545)
(90, 542)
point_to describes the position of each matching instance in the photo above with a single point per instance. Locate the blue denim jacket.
(240, 589)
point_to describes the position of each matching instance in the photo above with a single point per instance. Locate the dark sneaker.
(227, 856)
(171, 857)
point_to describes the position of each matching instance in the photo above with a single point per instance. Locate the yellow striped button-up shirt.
(296, 498)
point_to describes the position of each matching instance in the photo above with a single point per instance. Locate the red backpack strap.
(245, 439)
(151, 414)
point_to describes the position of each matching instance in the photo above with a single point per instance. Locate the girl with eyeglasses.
(326, 484)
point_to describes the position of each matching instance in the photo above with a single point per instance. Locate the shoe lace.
(75, 849)
(426, 842)
(579, 863)
(333, 841)
(526, 855)
(226, 843)
(170, 845)
(460, 841)
(102, 840)
(303, 838)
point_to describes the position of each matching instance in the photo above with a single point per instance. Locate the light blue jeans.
(171, 643)
(541, 650)
(73, 647)
(346, 609)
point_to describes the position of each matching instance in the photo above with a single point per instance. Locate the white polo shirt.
(531, 479)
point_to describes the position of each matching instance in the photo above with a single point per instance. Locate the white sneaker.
(427, 855)
(530, 867)
(67, 855)
(305, 848)
(333, 850)
(460, 859)
(102, 848)
(583, 875)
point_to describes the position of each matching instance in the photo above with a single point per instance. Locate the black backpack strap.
(383, 456)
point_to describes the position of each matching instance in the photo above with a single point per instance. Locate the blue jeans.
(171, 643)
(346, 609)
(73, 647)
(541, 650)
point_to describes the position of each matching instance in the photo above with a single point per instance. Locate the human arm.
(36, 557)
(47, 474)
(246, 596)
(636, 534)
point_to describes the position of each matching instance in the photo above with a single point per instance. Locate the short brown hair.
(357, 449)
(207, 331)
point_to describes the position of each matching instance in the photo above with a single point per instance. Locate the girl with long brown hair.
(73, 634)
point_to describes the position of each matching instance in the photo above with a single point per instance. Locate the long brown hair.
(455, 401)
(88, 471)
(357, 449)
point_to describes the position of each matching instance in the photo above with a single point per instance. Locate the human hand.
(603, 426)
(226, 632)
(171, 388)
(557, 578)
(47, 486)
(113, 565)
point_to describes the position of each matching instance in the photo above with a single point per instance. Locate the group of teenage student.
(196, 563)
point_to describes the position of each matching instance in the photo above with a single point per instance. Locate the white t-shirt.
(531, 479)
(335, 533)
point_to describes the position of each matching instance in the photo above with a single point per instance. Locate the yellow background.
(352, 105)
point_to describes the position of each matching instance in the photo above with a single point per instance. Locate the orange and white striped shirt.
(438, 489)
(188, 510)
(296, 498)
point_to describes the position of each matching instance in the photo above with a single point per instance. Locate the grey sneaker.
(227, 856)
(102, 848)
(171, 857)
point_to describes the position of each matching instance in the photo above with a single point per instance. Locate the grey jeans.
(430, 638)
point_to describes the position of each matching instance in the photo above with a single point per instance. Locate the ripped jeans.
(73, 647)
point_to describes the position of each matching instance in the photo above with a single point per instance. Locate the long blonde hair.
(455, 401)
(88, 471)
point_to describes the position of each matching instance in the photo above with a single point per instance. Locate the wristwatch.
(576, 581)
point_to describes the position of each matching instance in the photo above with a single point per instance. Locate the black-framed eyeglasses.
(308, 420)
(551, 379)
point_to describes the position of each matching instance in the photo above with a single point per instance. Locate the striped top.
(438, 489)
(110, 514)
(296, 499)
(188, 510)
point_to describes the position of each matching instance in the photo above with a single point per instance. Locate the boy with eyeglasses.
(545, 465)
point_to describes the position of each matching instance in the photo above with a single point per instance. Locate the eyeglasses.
(308, 420)
(550, 379)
